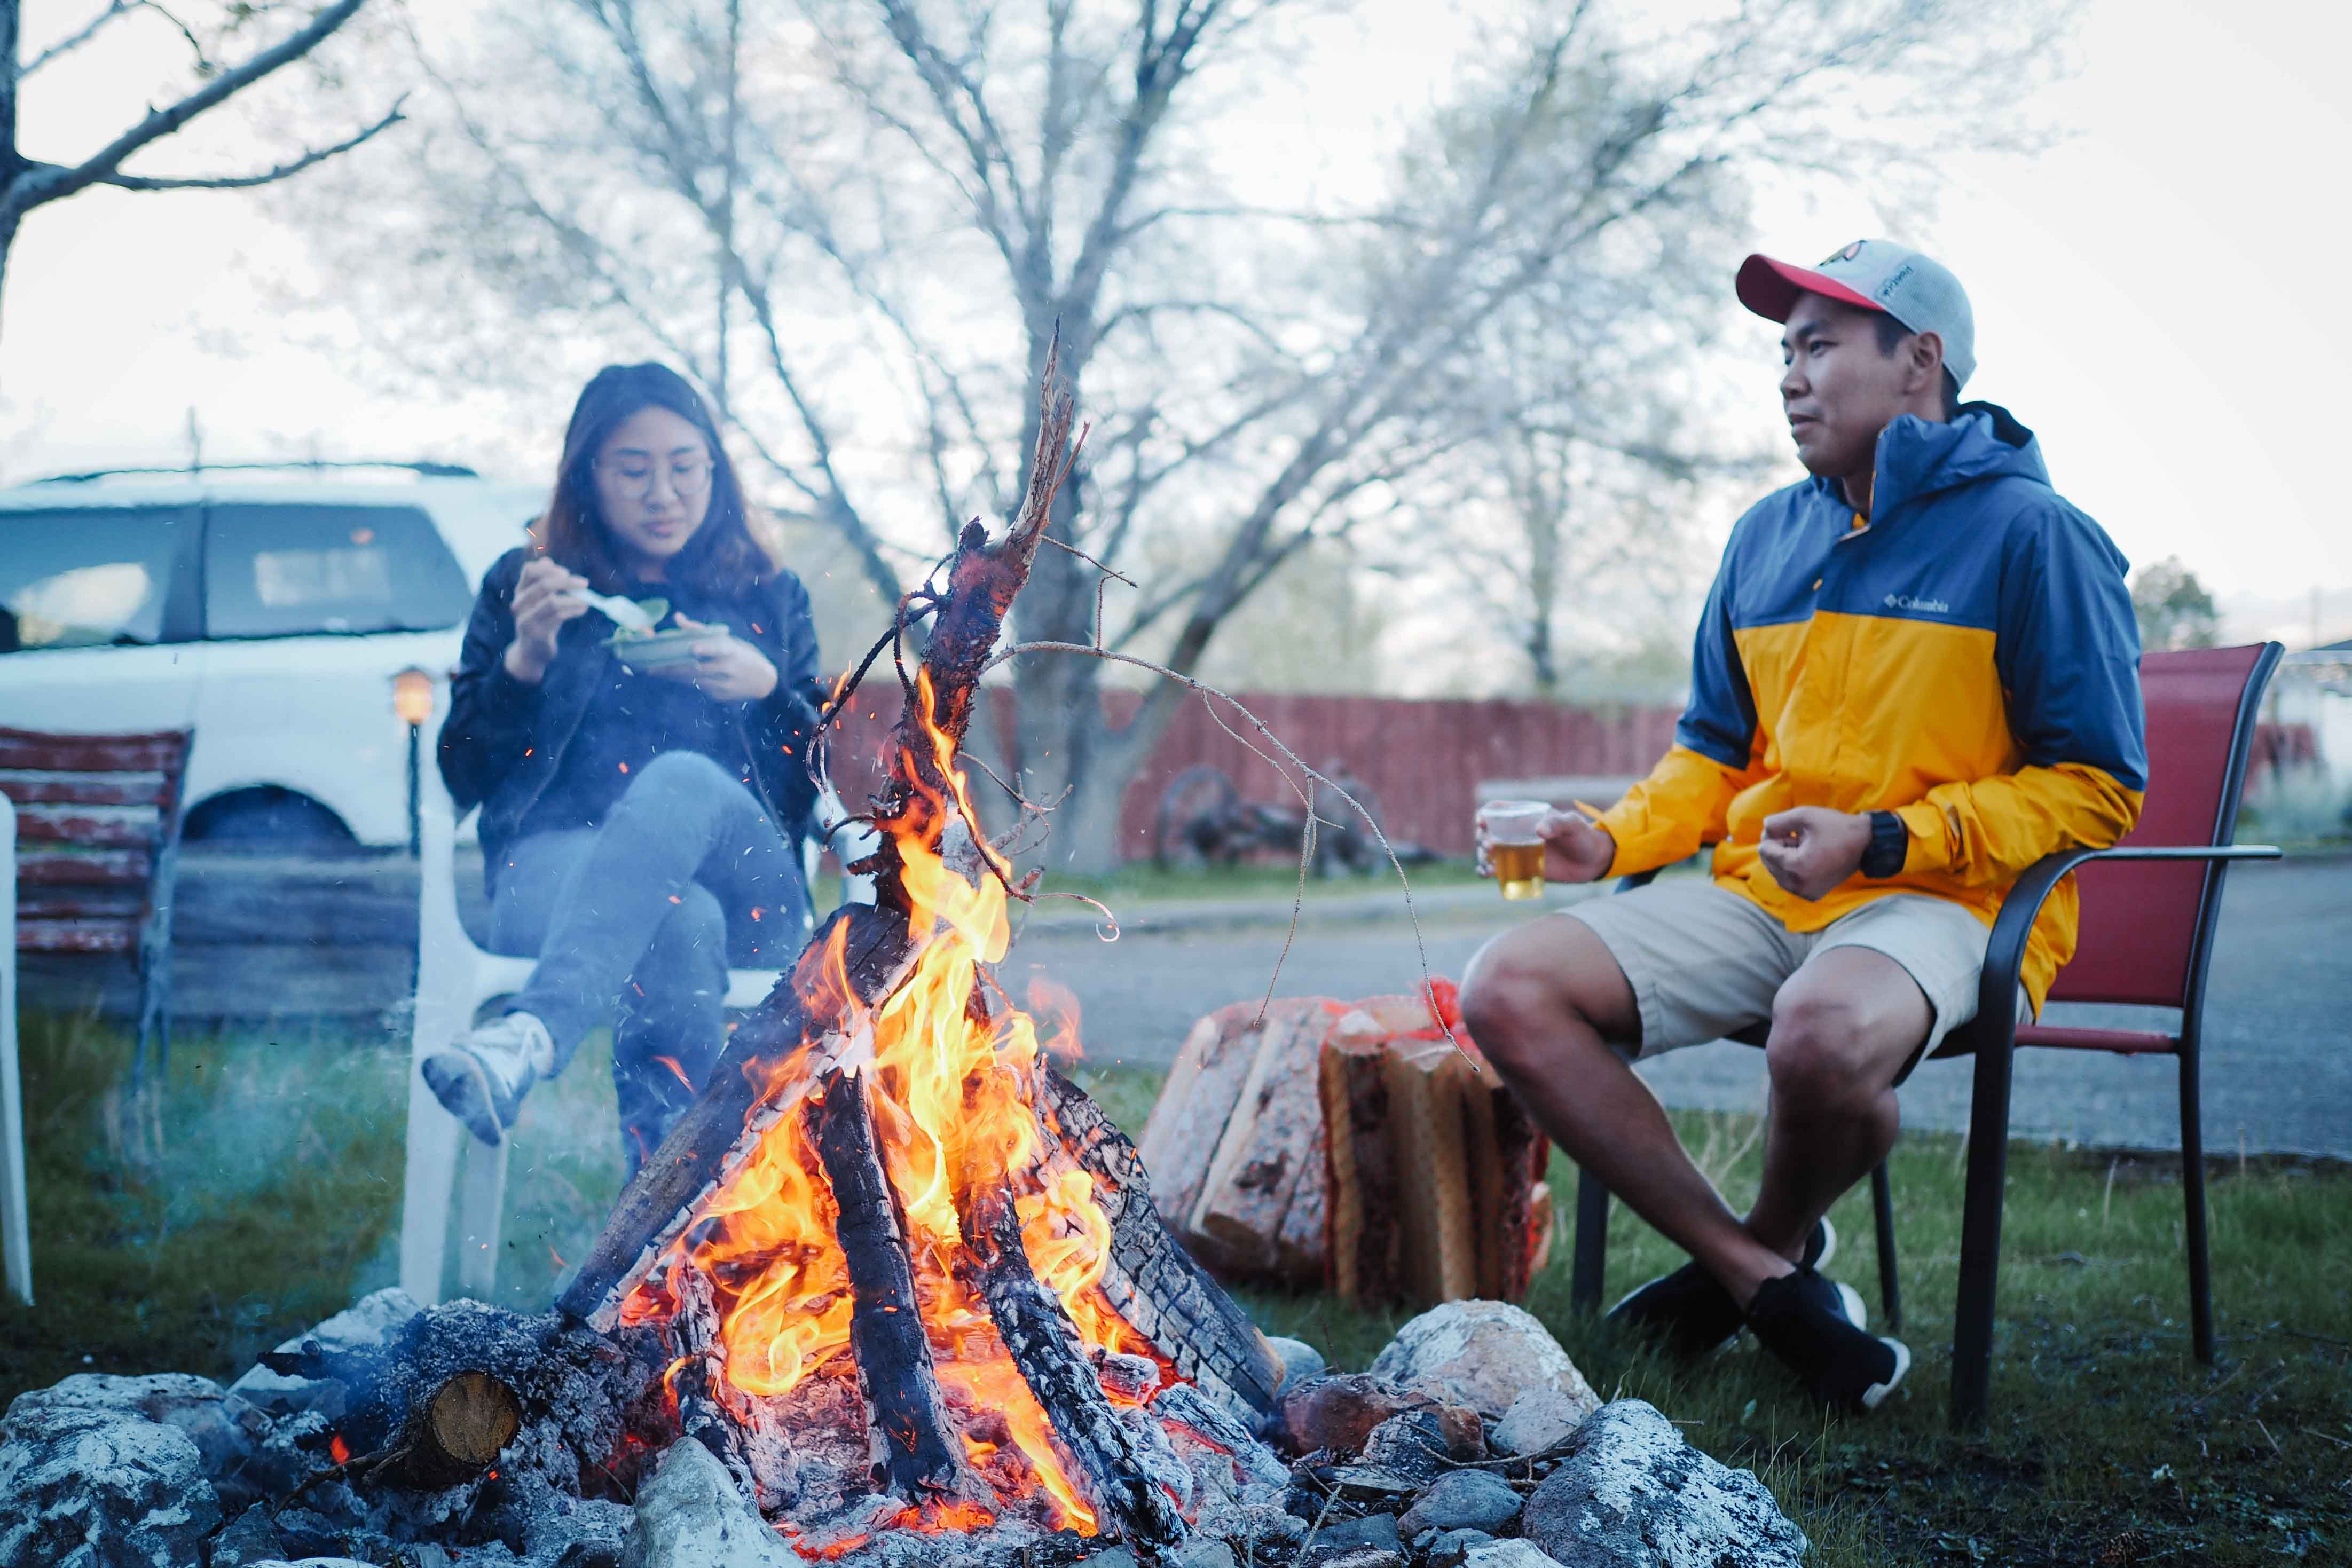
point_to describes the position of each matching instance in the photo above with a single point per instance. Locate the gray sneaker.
(482, 1078)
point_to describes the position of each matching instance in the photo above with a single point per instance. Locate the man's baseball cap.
(1877, 274)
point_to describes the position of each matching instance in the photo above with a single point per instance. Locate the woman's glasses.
(635, 480)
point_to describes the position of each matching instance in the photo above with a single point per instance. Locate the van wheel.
(269, 821)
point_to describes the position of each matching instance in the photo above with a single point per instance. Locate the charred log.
(722, 1125)
(916, 1455)
(1044, 1345)
(1150, 1280)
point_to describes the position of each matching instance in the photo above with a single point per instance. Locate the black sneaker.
(1692, 1313)
(1815, 1327)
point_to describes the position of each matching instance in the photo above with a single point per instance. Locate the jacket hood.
(1983, 440)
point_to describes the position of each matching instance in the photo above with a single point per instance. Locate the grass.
(272, 1198)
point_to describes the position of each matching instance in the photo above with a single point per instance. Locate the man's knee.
(1526, 993)
(1831, 1045)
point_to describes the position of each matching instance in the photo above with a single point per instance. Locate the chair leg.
(1980, 1231)
(482, 1215)
(1882, 1213)
(2192, 1191)
(1591, 1257)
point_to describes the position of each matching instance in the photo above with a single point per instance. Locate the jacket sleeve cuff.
(507, 697)
(1931, 837)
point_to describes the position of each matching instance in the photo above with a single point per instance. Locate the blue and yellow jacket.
(1965, 657)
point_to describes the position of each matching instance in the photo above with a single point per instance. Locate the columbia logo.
(1925, 606)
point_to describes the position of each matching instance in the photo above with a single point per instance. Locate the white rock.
(1483, 1355)
(1538, 1419)
(94, 1488)
(690, 1515)
(1506, 1554)
(178, 1399)
(1633, 1493)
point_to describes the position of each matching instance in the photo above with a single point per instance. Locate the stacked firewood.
(1352, 1145)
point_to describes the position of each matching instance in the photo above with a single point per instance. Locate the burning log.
(915, 1454)
(1150, 1280)
(1044, 1347)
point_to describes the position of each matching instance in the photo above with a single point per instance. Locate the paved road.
(2278, 1062)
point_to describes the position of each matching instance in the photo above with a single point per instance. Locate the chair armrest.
(2005, 953)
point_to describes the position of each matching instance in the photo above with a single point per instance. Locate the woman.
(629, 818)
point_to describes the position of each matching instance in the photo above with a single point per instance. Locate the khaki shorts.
(1705, 963)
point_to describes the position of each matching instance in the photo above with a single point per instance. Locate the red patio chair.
(2149, 909)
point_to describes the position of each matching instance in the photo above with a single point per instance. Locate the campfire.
(907, 1276)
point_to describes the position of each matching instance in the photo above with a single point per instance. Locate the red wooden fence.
(1422, 760)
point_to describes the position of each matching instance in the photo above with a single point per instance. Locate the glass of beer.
(1514, 845)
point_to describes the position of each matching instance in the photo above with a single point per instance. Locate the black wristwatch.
(1890, 845)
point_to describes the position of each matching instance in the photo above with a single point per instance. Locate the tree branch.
(57, 182)
(73, 41)
(268, 176)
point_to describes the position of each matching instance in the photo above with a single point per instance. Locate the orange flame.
(954, 1100)
(337, 1450)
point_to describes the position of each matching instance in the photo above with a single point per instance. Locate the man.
(1917, 674)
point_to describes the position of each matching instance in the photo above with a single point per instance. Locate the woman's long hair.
(732, 551)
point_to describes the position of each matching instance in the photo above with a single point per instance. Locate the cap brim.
(1771, 287)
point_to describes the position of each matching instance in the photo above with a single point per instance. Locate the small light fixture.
(412, 696)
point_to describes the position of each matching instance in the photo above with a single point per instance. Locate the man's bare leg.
(1542, 1002)
(1842, 1027)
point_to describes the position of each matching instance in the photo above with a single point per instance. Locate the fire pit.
(892, 1290)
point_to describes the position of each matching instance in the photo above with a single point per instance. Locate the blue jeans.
(634, 916)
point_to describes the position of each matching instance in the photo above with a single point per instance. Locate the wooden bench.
(97, 845)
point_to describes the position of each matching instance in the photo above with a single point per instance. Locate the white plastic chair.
(454, 978)
(16, 1229)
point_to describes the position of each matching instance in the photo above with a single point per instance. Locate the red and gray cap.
(1877, 274)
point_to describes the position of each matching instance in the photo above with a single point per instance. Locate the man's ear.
(1927, 357)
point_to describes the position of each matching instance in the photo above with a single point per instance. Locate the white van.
(267, 609)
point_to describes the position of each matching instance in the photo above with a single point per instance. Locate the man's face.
(1838, 390)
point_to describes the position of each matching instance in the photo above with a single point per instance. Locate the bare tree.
(27, 183)
(861, 221)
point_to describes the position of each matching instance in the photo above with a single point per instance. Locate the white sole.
(1877, 1392)
(1857, 1310)
(1828, 1246)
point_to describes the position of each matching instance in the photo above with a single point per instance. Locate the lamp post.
(412, 700)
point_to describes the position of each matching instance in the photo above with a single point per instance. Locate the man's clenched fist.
(1809, 849)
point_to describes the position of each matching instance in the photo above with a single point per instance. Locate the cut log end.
(470, 1419)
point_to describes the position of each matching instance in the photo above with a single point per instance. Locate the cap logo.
(1848, 253)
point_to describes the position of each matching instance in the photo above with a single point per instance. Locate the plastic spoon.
(622, 612)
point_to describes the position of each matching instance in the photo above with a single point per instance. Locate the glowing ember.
(955, 1114)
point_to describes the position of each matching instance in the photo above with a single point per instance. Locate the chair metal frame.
(1993, 1037)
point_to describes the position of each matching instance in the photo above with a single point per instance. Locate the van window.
(82, 577)
(285, 571)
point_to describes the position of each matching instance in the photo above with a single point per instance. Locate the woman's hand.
(725, 668)
(543, 602)
(1578, 849)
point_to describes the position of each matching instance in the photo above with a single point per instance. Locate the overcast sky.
(2156, 297)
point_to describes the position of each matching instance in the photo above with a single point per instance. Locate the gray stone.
(1362, 1557)
(1507, 1554)
(1300, 1361)
(1632, 1492)
(249, 1541)
(1483, 1354)
(1463, 1499)
(1201, 1553)
(690, 1515)
(1412, 1445)
(84, 1488)
(1109, 1557)
(368, 1321)
(1342, 1537)
(1446, 1549)
(1541, 1418)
